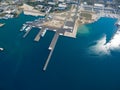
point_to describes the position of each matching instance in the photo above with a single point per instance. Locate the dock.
(27, 32)
(37, 38)
(51, 47)
(54, 40)
(66, 27)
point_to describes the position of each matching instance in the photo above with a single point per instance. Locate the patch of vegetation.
(117, 1)
(86, 15)
(2, 14)
(32, 3)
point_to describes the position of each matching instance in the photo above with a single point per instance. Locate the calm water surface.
(71, 66)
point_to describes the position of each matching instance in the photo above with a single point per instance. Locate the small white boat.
(1, 49)
(23, 27)
(61, 34)
(43, 33)
(33, 26)
(28, 28)
(54, 30)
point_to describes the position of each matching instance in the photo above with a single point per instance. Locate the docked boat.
(33, 26)
(43, 33)
(23, 28)
(40, 27)
(28, 28)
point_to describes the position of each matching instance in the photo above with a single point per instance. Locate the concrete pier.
(27, 32)
(74, 31)
(47, 61)
(37, 38)
(52, 46)
(54, 40)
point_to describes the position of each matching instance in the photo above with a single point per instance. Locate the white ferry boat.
(28, 28)
(43, 33)
(23, 27)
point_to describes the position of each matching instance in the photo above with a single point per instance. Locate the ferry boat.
(23, 27)
(43, 33)
(28, 28)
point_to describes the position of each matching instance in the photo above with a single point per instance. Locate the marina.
(60, 27)
(58, 31)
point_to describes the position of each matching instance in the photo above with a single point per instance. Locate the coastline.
(29, 55)
(95, 17)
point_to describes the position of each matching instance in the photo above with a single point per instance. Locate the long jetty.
(51, 47)
(54, 41)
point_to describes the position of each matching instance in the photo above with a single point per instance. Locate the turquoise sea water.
(71, 66)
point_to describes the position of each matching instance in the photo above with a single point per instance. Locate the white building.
(40, 0)
(98, 5)
(51, 3)
(62, 5)
(61, 0)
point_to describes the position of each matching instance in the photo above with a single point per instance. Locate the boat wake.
(102, 48)
(99, 48)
